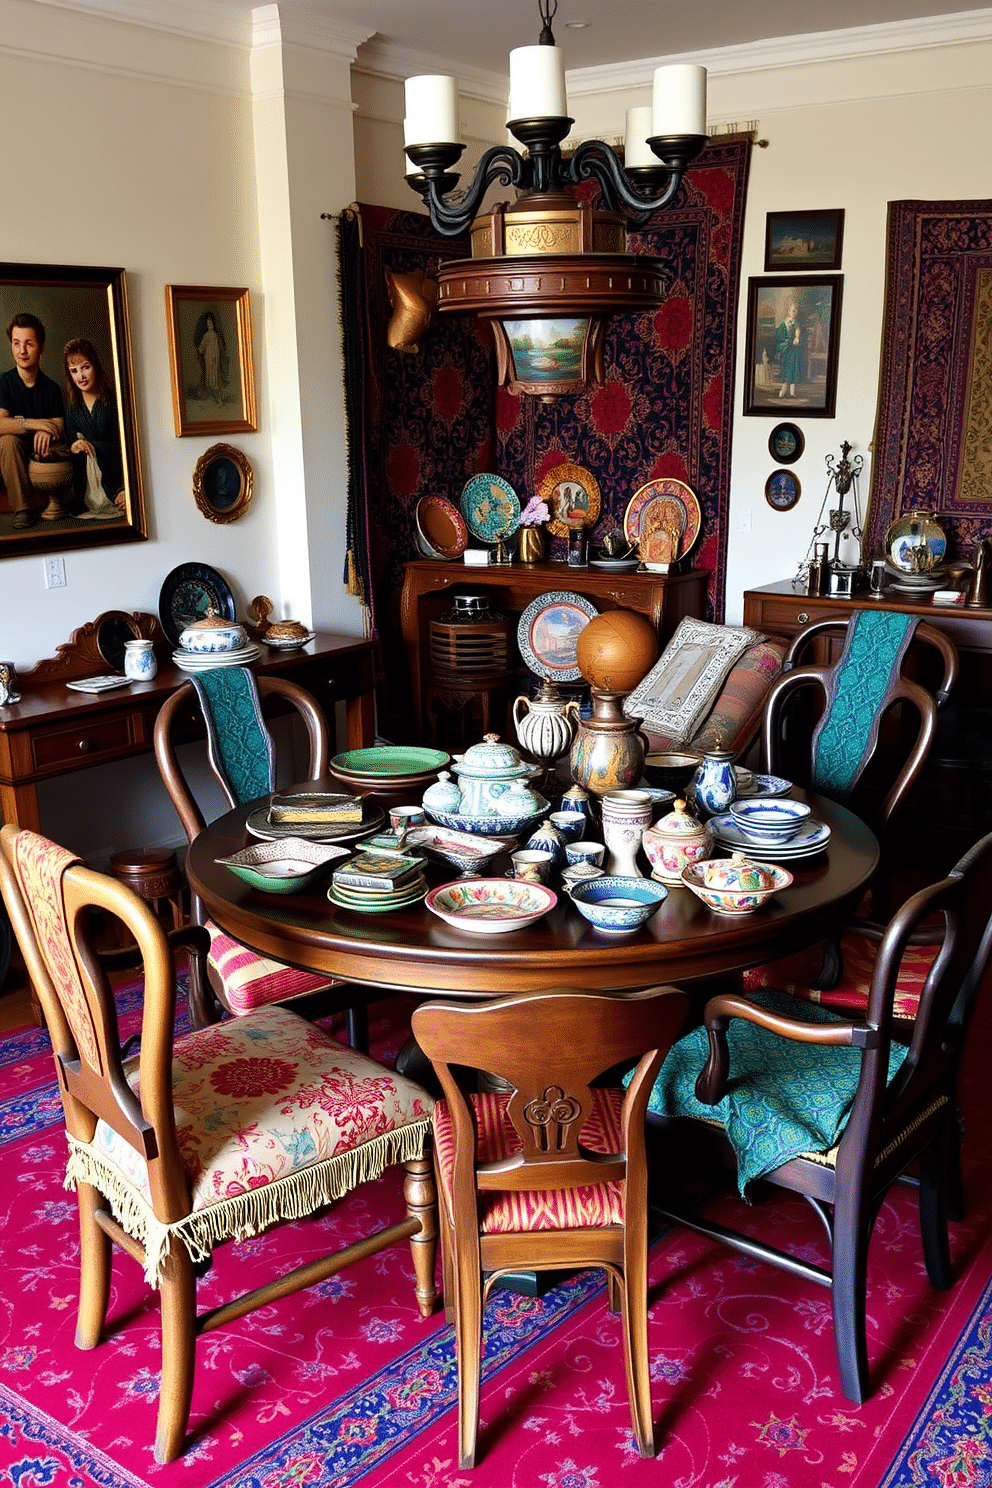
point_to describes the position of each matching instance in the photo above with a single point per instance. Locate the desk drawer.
(98, 739)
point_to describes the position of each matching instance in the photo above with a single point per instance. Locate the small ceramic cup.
(585, 852)
(401, 818)
(531, 865)
(571, 824)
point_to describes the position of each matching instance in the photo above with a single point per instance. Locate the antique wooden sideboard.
(429, 583)
(54, 730)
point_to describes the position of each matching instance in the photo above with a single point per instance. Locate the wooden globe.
(616, 649)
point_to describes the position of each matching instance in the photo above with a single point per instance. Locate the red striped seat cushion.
(794, 973)
(542, 1209)
(251, 981)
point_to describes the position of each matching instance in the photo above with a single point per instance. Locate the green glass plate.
(388, 761)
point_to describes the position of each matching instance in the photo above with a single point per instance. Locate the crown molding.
(386, 60)
(208, 20)
(854, 43)
(305, 27)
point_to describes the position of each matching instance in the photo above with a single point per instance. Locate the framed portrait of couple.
(70, 467)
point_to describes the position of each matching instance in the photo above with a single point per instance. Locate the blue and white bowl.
(770, 820)
(616, 904)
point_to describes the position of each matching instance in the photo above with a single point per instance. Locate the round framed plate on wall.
(573, 498)
(782, 490)
(786, 443)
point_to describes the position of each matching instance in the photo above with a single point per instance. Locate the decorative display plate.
(202, 661)
(389, 764)
(811, 838)
(549, 630)
(467, 851)
(288, 865)
(766, 785)
(573, 498)
(258, 824)
(491, 906)
(490, 507)
(615, 565)
(289, 643)
(441, 526)
(651, 502)
(187, 593)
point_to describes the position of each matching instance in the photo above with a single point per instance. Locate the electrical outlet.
(745, 520)
(54, 573)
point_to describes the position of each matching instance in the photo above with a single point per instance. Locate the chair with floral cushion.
(241, 752)
(836, 1109)
(210, 1137)
(551, 1174)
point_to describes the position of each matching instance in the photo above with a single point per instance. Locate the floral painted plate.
(573, 498)
(548, 633)
(490, 507)
(442, 527)
(653, 501)
(491, 906)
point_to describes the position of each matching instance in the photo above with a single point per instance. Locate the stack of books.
(374, 881)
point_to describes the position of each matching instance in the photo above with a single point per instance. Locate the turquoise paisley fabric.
(872, 652)
(783, 1098)
(240, 745)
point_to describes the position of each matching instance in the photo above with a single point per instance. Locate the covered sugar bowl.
(674, 842)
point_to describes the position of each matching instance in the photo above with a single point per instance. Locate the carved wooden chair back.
(150, 1143)
(546, 1169)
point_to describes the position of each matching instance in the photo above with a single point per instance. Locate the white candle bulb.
(636, 150)
(679, 100)
(537, 83)
(431, 110)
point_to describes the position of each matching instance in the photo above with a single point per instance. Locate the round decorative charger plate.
(548, 632)
(258, 824)
(615, 565)
(441, 526)
(388, 762)
(187, 593)
(573, 498)
(637, 515)
(490, 507)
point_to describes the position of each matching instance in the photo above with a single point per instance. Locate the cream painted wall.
(855, 132)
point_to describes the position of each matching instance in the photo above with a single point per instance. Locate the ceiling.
(478, 34)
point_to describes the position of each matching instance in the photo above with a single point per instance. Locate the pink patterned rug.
(345, 1385)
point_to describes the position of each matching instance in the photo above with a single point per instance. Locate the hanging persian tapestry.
(933, 433)
(419, 401)
(666, 407)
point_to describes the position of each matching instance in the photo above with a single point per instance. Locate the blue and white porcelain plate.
(490, 507)
(811, 838)
(767, 785)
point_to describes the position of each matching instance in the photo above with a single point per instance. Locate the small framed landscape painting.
(803, 240)
(786, 443)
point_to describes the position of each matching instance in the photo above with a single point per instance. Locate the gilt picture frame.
(210, 359)
(792, 345)
(223, 482)
(79, 484)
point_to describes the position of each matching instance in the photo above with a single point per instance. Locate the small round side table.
(153, 874)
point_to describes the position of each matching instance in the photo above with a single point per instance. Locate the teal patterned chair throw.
(872, 659)
(242, 755)
(239, 744)
(836, 1110)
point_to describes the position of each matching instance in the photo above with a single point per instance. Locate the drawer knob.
(803, 617)
(84, 746)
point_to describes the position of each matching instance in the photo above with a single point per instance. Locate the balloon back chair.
(241, 752)
(835, 1109)
(552, 1173)
(164, 1163)
(857, 693)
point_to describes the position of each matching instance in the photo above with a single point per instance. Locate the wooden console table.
(428, 584)
(53, 731)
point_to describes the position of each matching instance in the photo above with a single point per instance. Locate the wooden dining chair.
(857, 693)
(164, 1163)
(835, 1109)
(552, 1173)
(243, 760)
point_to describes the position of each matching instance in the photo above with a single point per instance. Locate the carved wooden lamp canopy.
(548, 270)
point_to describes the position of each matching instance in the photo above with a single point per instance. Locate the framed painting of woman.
(210, 355)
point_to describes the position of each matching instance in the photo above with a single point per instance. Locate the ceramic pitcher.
(546, 723)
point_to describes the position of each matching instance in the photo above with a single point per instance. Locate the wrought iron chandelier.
(548, 270)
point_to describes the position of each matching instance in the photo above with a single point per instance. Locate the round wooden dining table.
(411, 950)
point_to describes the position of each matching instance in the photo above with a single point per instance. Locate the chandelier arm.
(501, 163)
(594, 160)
